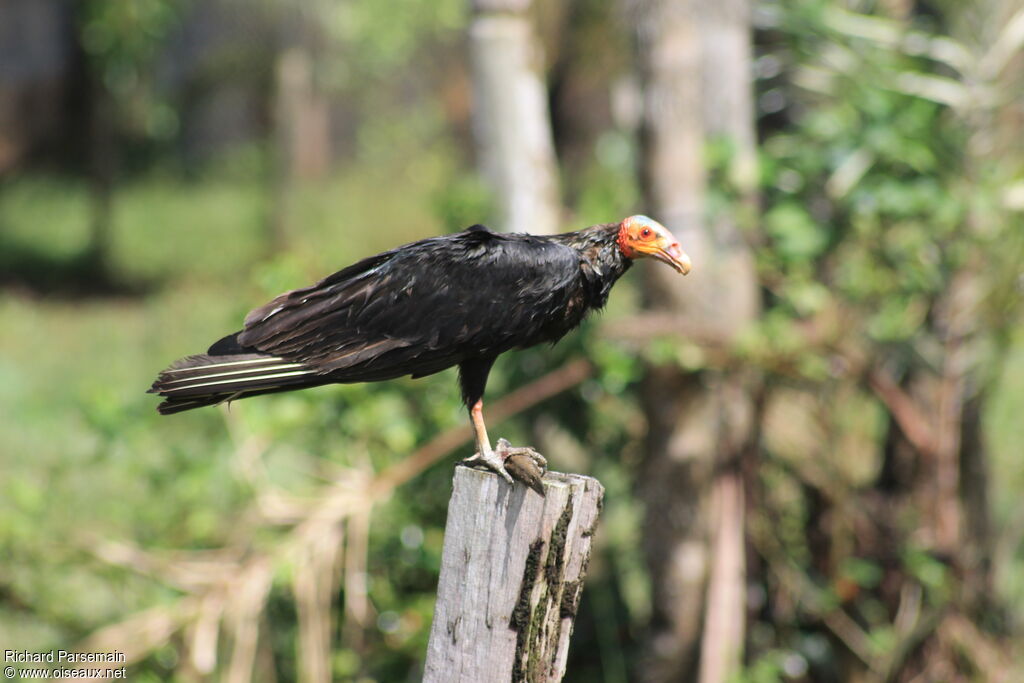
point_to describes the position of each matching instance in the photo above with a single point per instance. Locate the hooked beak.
(674, 256)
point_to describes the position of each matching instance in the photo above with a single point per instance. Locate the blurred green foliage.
(871, 205)
(877, 212)
(121, 41)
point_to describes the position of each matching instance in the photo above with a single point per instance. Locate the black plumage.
(457, 300)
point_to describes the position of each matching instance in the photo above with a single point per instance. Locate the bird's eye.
(646, 233)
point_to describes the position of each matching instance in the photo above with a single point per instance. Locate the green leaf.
(796, 235)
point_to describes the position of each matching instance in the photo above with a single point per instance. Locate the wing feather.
(423, 307)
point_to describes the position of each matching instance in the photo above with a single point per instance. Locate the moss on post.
(511, 577)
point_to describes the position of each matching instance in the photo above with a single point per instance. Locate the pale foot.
(508, 461)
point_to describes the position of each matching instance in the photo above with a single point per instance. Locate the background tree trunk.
(964, 518)
(694, 61)
(511, 121)
(301, 121)
(101, 158)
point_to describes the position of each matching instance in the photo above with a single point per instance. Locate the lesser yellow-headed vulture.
(459, 299)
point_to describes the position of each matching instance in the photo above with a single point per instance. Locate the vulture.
(456, 300)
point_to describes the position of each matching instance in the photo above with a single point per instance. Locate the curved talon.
(491, 461)
(519, 462)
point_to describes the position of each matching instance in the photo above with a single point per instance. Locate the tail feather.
(206, 379)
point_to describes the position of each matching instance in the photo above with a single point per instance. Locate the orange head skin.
(641, 236)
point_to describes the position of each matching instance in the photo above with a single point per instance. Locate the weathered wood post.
(512, 573)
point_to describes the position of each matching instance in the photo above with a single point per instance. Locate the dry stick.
(905, 411)
(357, 608)
(953, 382)
(724, 611)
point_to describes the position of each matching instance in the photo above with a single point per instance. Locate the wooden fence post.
(512, 573)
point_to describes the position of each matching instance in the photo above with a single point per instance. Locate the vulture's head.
(641, 236)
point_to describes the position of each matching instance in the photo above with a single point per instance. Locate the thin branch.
(912, 422)
(248, 598)
(189, 572)
(1008, 44)
(203, 633)
(649, 325)
(990, 660)
(142, 632)
(315, 572)
(357, 612)
(724, 610)
(894, 34)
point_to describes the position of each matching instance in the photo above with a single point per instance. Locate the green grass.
(84, 453)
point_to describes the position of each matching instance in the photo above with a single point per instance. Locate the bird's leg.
(484, 454)
(526, 464)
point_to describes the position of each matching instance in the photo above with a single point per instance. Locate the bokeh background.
(812, 446)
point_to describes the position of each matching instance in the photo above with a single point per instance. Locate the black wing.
(424, 307)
